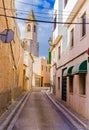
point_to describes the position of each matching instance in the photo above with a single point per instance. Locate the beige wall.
(36, 71)
(45, 72)
(11, 62)
(39, 73)
(28, 70)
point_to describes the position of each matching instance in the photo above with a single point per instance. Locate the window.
(49, 69)
(72, 38)
(83, 18)
(29, 28)
(71, 84)
(58, 82)
(59, 52)
(46, 68)
(65, 2)
(82, 84)
(34, 28)
(55, 20)
(54, 54)
(42, 67)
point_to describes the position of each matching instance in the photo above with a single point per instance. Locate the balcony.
(71, 9)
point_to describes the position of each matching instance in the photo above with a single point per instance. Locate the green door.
(64, 87)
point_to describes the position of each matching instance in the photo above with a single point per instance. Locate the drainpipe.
(8, 28)
(14, 66)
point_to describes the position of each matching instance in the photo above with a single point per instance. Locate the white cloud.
(38, 2)
(22, 28)
(46, 4)
(44, 29)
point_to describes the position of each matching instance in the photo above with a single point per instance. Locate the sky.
(43, 10)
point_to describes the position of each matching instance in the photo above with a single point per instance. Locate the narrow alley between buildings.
(40, 114)
(44, 65)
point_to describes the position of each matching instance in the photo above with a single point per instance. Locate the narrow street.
(44, 65)
(40, 114)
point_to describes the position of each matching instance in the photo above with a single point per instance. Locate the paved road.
(40, 114)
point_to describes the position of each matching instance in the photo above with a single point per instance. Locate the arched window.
(34, 28)
(29, 28)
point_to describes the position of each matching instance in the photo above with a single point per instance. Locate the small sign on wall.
(88, 51)
(88, 59)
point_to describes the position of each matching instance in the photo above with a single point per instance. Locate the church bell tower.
(31, 35)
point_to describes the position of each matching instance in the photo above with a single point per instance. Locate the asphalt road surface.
(40, 114)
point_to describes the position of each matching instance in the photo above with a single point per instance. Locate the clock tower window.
(34, 28)
(29, 28)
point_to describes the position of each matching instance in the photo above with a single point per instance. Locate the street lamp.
(50, 41)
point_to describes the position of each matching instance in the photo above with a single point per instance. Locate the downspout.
(14, 66)
(8, 28)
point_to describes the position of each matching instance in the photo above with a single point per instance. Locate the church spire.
(31, 16)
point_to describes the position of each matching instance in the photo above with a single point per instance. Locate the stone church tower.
(30, 41)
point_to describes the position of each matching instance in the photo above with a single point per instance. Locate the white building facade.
(71, 58)
(58, 49)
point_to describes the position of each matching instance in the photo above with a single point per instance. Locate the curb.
(76, 122)
(8, 119)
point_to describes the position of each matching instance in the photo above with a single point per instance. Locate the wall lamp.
(50, 41)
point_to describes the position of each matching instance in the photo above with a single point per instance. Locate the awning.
(68, 71)
(65, 73)
(80, 68)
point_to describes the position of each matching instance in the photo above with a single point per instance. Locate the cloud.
(44, 29)
(44, 32)
(37, 2)
(46, 4)
(22, 28)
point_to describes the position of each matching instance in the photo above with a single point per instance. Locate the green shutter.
(49, 58)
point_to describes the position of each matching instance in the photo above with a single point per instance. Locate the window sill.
(71, 47)
(71, 93)
(82, 37)
(81, 95)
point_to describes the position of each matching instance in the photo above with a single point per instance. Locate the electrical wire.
(42, 17)
(51, 15)
(20, 12)
(36, 15)
(62, 11)
(40, 21)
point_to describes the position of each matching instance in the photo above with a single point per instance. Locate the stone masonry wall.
(11, 60)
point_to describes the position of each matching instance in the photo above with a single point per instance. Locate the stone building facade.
(30, 41)
(11, 58)
(41, 72)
